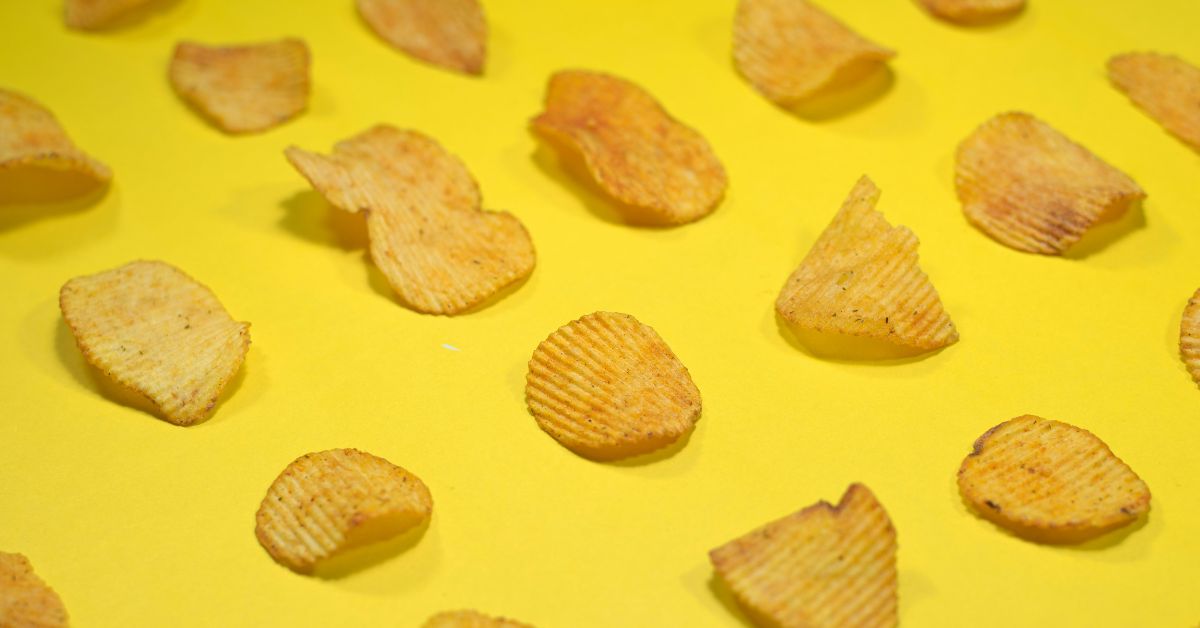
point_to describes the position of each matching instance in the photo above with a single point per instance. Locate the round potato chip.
(93, 14)
(449, 33)
(471, 619)
(972, 11)
(25, 600)
(1189, 336)
(29, 135)
(1164, 86)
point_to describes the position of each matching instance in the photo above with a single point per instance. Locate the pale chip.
(1032, 189)
(822, 567)
(637, 152)
(449, 33)
(607, 387)
(972, 11)
(440, 251)
(1166, 87)
(1189, 336)
(155, 330)
(471, 619)
(29, 135)
(25, 600)
(93, 14)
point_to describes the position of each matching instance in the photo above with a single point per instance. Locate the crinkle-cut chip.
(1166, 87)
(25, 600)
(1032, 189)
(635, 150)
(244, 89)
(471, 619)
(862, 278)
(449, 33)
(1050, 481)
(29, 135)
(1189, 336)
(92, 14)
(822, 567)
(789, 49)
(157, 331)
(972, 11)
(440, 251)
(327, 502)
(607, 387)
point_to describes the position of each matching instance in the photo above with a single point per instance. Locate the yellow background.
(136, 522)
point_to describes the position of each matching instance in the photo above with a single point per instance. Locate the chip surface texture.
(1189, 336)
(1164, 86)
(449, 33)
(972, 11)
(25, 600)
(93, 14)
(470, 619)
(29, 135)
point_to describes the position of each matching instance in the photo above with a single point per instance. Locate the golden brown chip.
(449, 33)
(862, 278)
(1166, 87)
(1049, 481)
(636, 151)
(822, 567)
(244, 89)
(327, 502)
(1032, 189)
(471, 619)
(972, 11)
(29, 135)
(440, 251)
(157, 331)
(92, 14)
(607, 387)
(1189, 336)
(25, 600)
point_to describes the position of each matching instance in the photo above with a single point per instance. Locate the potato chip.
(29, 135)
(440, 251)
(1166, 87)
(607, 387)
(972, 11)
(1032, 189)
(1049, 481)
(93, 14)
(1189, 336)
(636, 151)
(471, 619)
(862, 278)
(157, 331)
(449, 33)
(822, 567)
(244, 89)
(25, 600)
(327, 502)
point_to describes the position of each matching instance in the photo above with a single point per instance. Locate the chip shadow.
(32, 193)
(853, 88)
(749, 619)
(1107, 230)
(362, 558)
(842, 348)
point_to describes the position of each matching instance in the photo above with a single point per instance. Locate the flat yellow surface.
(136, 522)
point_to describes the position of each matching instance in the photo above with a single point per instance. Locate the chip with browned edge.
(1032, 189)
(607, 387)
(1164, 86)
(93, 14)
(29, 135)
(25, 600)
(635, 150)
(449, 33)
(1050, 482)
(822, 567)
(471, 619)
(972, 11)
(1189, 336)
(155, 330)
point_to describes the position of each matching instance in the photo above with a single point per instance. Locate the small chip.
(636, 151)
(244, 89)
(1049, 481)
(972, 11)
(157, 331)
(25, 600)
(29, 135)
(607, 387)
(327, 502)
(862, 278)
(1189, 336)
(1166, 87)
(440, 251)
(822, 567)
(471, 619)
(449, 33)
(1032, 189)
(93, 14)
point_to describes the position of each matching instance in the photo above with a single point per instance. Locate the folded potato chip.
(972, 11)
(29, 135)
(607, 387)
(1164, 86)
(155, 330)
(92, 14)
(327, 502)
(449, 33)
(1032, 189)
(1189, 336)
(636, 151)
(25, 600)
(822, 567)
(471, 619)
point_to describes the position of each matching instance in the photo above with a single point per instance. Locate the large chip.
(471, 619)
(1166, 87)
(972, 11)
(93, 14)
(25, 600)
(449, 33)
(607, 387)
(157, 331)
(327, 502)
(1049, 481)
(862, 278)
(822, 567)
(636, 151)
(1189, 336)
(29, 135)
(440, 251)
(1032, 189)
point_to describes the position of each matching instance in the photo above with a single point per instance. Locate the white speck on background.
(453, 348)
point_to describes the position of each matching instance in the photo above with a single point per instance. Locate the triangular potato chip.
(1032, 189)
(449, 33)
(862, 278)
(25, 600)
(157, 331)
(607, 387)
(636, 151)
(440, 251)
(1166, 87)
(29, 135)
(92, 14)
(471, 619)
(1189, 336)
(822, 567)
(972, 11)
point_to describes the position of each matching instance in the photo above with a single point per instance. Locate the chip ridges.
(25, 600)
(30, 135)
(1164, 86)
(970, 11)
(470, 619)
(1189, 336)
(92, 14)
(449, 33)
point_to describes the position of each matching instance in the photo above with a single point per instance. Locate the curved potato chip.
(449, 33)
(29, 135)
(1189, 336)
(822, 567)
(440, 251)
(25, 600)
(327, 502)
(862, 278)
(972, 11)
(1166, 87)
(636, 151)
(1051, 482)
(1032, 189)
(92, 14)
(607, 387)
(157, 331)
(471, 619)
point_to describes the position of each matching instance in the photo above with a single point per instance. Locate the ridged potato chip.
(25, 600)
(29, 135)
(1032, 189)
(1051, 482)
(1164, 86)
(93, 14)
(440, 251)
(862, 278)
(607, 387)
(243, 89)
(822, 567)
(327, 502)
(635, 150)
(449, 33)
(972, 11)
(471, 619)
(1189, 336)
